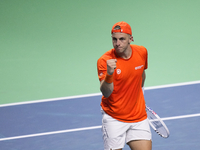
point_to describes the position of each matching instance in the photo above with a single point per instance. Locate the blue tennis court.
(74, 123)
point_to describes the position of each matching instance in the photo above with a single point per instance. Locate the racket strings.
(160, 129)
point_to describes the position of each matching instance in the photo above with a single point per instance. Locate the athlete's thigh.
(114, 132)
(140, 145)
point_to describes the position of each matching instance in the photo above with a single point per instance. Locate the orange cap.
(122, 27)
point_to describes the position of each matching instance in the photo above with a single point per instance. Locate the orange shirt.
(126, 103)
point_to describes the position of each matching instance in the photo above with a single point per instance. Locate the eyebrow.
(114, 38)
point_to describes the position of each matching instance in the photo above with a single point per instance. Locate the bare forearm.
(106, 85)
(106, 88)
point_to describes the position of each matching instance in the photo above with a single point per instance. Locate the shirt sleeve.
(101, 68)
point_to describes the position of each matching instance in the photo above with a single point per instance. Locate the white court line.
(97, 94)
(48, 133)
(172, 85)
(49, 100)
(83, 129)
(180, 117)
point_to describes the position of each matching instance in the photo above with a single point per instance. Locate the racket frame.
(160, 120)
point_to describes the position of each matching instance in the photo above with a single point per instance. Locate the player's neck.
(127, 53)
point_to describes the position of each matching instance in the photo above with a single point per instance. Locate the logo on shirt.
(138, 67)
(118, 71)
(100, 74)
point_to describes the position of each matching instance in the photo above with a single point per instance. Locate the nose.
(118, 42)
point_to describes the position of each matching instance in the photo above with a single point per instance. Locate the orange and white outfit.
(124, 117)
(126, 103)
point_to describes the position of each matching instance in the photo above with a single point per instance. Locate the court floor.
(74, 123)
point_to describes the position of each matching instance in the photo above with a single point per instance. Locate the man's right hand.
(111, 65)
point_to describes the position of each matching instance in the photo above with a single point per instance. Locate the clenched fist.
(111, 65)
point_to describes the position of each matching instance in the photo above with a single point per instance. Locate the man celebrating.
(121, 72)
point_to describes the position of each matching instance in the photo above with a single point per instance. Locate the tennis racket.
(156, 123)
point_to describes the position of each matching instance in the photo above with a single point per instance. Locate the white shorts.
(117, 133)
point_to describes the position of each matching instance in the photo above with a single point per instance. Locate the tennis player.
(121, 72)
